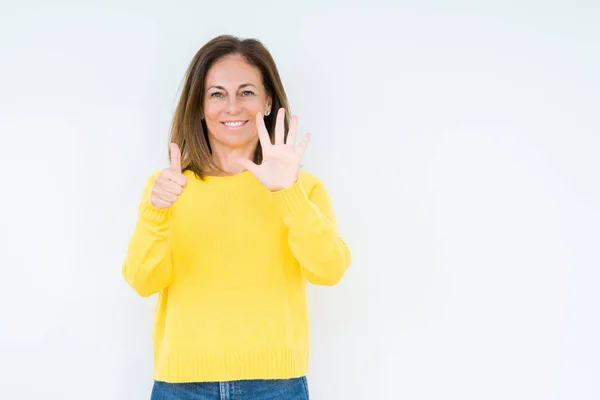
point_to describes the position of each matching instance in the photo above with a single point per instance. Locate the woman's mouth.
(234, 124)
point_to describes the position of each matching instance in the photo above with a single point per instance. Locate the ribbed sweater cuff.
(292, 200)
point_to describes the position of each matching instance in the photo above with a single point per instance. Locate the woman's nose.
(233, 105)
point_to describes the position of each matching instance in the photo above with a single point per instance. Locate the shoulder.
(155, 174)
(152, 177)
(317, 193)
(310, 182)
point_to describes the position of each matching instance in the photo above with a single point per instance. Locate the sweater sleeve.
(313, 236)
(147, 267)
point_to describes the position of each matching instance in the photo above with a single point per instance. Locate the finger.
(280, 126)
(159, 203)
(303, 145)
(263, 134)
(250, 166)
(173, 188)
(165, 195)
(178, 178)
(291, 137)
(175, 158)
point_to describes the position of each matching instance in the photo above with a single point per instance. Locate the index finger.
(263, 134)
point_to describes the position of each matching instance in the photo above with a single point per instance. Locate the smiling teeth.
(233, 124)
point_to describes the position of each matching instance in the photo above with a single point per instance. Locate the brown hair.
(188, 128)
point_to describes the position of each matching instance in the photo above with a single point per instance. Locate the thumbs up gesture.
(170, 183)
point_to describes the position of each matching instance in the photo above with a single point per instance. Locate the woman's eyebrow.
(222, 88)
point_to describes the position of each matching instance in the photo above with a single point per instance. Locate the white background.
(460, 145)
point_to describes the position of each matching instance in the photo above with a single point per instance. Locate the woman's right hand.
(170, 183)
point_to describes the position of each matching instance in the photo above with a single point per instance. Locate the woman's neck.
(226, 158)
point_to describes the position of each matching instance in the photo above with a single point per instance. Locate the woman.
(229, 235)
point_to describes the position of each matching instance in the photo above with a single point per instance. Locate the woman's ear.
(268, 105)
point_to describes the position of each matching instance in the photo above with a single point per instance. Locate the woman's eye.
(247, 93)
(216, 94)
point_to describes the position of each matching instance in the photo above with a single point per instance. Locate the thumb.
(175, 158)
(249, 165)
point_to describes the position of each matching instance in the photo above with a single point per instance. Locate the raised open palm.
(281, 162)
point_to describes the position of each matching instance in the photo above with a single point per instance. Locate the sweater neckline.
(229, 180)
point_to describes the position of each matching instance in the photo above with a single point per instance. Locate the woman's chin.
(237, 141)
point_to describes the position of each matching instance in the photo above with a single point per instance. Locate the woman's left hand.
(281, 163)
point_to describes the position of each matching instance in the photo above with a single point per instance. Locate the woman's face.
(234, 94)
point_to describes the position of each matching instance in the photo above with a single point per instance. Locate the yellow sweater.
(230, 261)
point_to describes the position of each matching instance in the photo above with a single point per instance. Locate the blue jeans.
(272, 389)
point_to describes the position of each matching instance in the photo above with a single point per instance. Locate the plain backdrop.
(459, 142)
